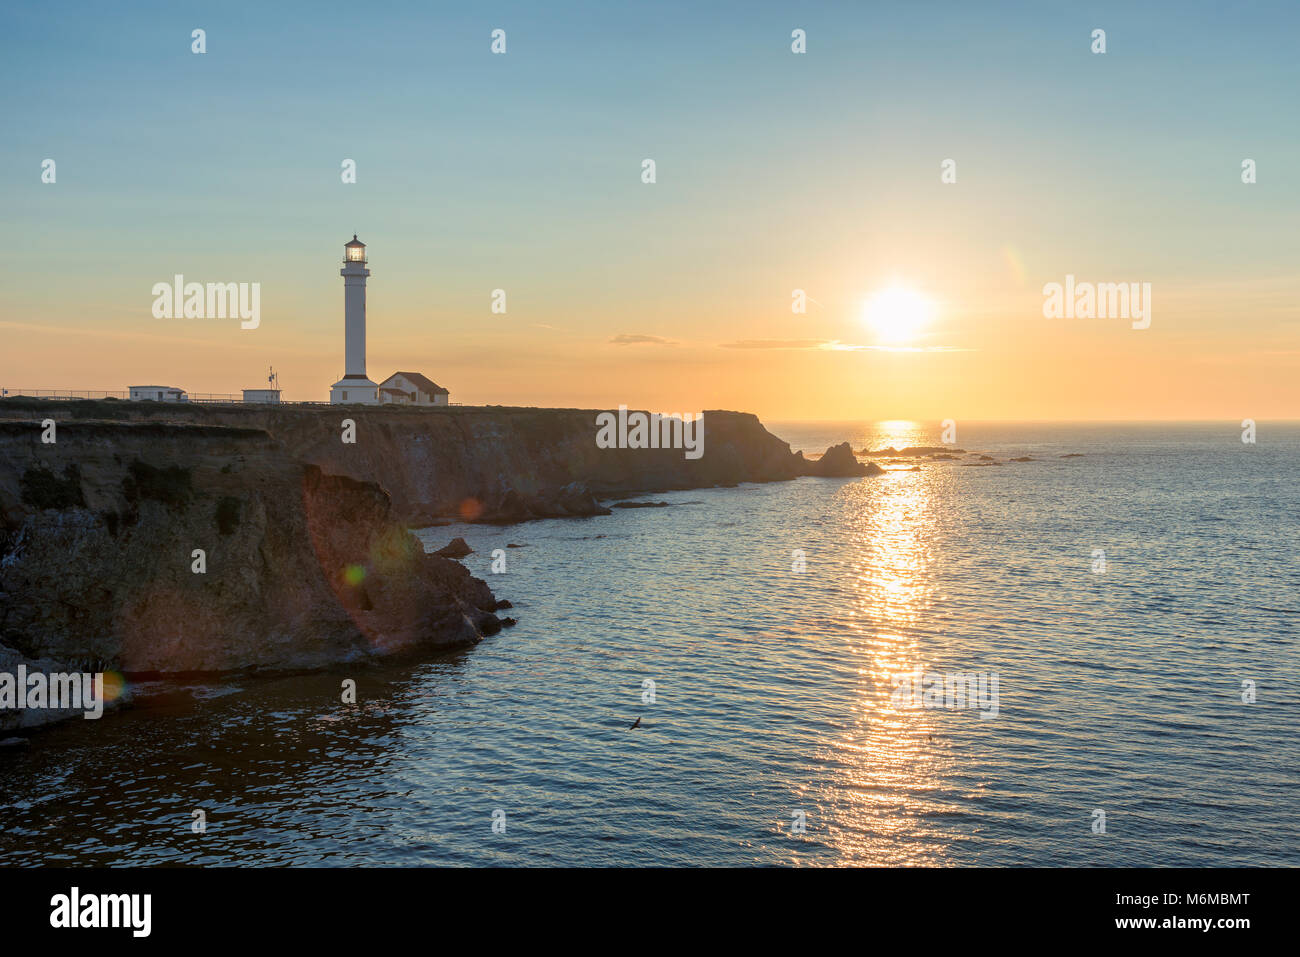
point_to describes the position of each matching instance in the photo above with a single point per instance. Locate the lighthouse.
(355, 388)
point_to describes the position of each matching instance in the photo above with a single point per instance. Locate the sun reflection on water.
(890, 759)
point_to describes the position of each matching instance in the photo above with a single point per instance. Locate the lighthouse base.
(354, 390)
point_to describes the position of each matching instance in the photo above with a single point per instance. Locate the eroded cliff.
(487, 463)
(100, 565)
(152, 538)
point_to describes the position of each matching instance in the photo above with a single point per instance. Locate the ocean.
(1137, 604)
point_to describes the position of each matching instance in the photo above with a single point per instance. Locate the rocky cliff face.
(306, 557)
(493, 464)
(300, 568)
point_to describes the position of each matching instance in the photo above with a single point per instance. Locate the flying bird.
(635, 724)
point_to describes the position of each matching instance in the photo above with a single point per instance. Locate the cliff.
(488, 464)
(300, 568)
(307, 560)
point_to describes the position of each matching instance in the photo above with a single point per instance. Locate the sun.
(898, 314)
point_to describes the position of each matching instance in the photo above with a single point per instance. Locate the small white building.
(157, 393)
(411, 388)
(270, 396)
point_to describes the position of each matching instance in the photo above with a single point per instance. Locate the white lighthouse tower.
(354, 388)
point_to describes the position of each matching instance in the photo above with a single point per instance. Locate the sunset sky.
(775, 171)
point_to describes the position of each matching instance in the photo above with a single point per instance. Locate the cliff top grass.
(110, 409)
(19, 427)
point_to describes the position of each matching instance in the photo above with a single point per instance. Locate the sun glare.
(898, 314)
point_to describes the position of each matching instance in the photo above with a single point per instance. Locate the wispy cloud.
(836, 346)
(776, 344)
(831, 345)
(630, 339)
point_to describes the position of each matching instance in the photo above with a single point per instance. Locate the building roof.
(420, 382)
(355, 242)
(404, 395)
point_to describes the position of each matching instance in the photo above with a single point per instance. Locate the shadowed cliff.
(490, 463)
(307, 560)
(300, 568)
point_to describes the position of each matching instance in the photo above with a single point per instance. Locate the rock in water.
(509, 505)
(839, 462)
(456, 548)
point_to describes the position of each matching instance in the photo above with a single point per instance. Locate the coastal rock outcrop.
(167, 539)
(456, 548)
(480, 464)
(838, 462)
(165, 548)
(508, 505)
(911, 450)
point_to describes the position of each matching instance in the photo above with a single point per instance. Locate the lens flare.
(114, 685)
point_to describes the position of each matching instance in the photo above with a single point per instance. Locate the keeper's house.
(157, 393)
(411, 388)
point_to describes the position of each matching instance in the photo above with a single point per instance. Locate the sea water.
(1138, 604)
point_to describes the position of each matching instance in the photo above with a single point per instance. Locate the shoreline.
(164, 540)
